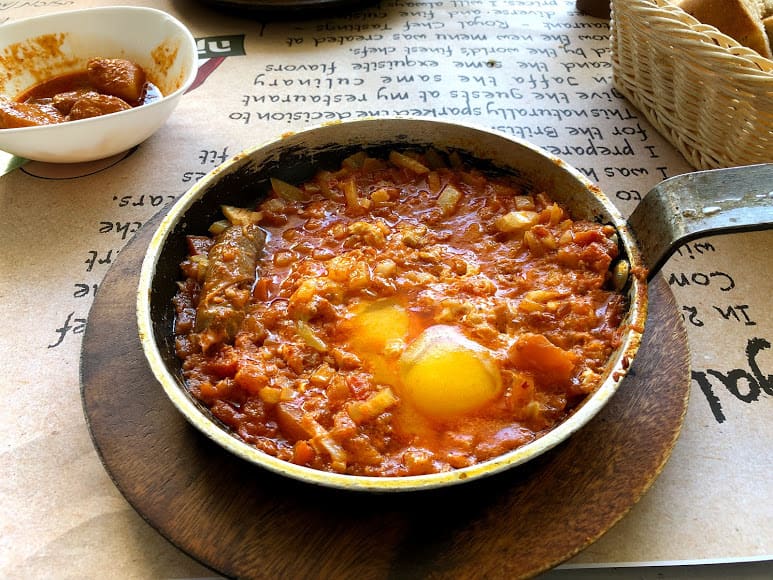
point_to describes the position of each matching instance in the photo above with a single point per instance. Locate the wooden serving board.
(245, 522)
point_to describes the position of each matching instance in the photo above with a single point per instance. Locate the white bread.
(765, 7)
(739, 19)
(757, 6)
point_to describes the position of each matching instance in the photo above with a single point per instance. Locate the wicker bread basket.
(709, 96)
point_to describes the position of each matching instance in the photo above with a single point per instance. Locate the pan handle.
(700, 204)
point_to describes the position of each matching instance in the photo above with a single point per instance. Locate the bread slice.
(765, 7)
(757, 6)
(767, 22)
(739, 19)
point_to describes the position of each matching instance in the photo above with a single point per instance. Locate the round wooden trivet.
(245, 522)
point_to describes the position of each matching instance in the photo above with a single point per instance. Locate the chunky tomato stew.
(397, 316)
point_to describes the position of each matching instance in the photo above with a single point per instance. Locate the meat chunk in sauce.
(107, 85)
(117, 77)
(14, 115)
(64, 101)
(95, 105)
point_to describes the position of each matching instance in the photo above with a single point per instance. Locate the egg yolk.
(441, 374)
(376, 324)
(377, 329)
(446, 375)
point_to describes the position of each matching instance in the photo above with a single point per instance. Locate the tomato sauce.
(79, 82)
(105, 86)
(397, 316)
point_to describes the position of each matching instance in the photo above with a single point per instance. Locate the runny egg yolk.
(377, 335)
(441, 374)
(445, 375)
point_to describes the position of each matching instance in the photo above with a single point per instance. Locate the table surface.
(532, 69)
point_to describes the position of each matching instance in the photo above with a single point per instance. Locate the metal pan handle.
(700, 204)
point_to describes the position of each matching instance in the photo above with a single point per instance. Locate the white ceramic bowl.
(153, 39)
